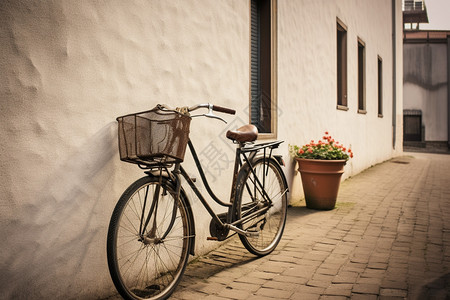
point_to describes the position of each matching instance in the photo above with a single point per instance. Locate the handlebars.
(209, 114)
(223, 110)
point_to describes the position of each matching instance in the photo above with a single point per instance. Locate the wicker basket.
(153, 137)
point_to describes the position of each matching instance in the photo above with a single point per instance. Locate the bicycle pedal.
(212, 238)
(252, 232)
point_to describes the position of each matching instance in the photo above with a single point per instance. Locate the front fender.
(187, 204)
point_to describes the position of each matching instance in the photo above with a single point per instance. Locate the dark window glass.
(341, 65)
(261, 66)
(361, 78)
(380, 87)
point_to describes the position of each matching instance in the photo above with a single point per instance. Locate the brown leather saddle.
(246, 133)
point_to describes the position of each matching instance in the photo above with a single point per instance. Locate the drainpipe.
(394, 75)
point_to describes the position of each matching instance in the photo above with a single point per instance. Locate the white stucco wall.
(425, 86)
(307, 78)
(69, 68)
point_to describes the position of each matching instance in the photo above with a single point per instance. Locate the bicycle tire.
(270, 225)
(151, 268)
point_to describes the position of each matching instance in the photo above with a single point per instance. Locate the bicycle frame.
(241, 151)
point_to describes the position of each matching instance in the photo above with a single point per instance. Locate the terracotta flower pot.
(321, 180)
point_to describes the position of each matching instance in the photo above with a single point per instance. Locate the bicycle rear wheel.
(268, 226)
(147, 261)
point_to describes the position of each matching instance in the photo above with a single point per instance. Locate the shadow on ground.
(229, 255)
(436, 289)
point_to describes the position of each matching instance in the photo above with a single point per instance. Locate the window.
(380, 87)
(361, 77)
(262, 66)
(341, 65)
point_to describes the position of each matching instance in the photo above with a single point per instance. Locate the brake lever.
(210, 115)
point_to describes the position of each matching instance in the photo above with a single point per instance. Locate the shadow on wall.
(52, 244)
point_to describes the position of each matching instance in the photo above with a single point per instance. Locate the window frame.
(361, 75)
(341, 66)
(380, 85)
(273, 71)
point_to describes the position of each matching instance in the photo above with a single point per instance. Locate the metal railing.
(413, 5)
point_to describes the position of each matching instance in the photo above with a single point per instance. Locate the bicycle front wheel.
(267, 227)
(148, 240)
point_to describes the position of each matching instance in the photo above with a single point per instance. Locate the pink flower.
(327, 148)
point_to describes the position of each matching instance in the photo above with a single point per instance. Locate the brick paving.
(388, 238)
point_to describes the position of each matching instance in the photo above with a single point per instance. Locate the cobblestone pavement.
(388, 238)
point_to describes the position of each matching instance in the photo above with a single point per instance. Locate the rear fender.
(279, 161)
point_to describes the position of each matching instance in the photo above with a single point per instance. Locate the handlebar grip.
(224, 109)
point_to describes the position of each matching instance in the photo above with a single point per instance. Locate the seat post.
(237, 164)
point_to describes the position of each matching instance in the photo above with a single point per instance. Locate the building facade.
(426, 87)
(294, 68)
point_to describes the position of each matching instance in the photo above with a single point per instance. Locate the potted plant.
(321, 166)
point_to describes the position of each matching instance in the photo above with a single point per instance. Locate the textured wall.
(307, 77)
(425, 86)
(68, 68)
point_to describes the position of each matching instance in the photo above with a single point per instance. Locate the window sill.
(342, 107)
(362, 111)
(266, 136)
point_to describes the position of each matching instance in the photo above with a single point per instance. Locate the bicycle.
(152, 232)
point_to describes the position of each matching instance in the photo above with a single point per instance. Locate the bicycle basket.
(153, 137)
